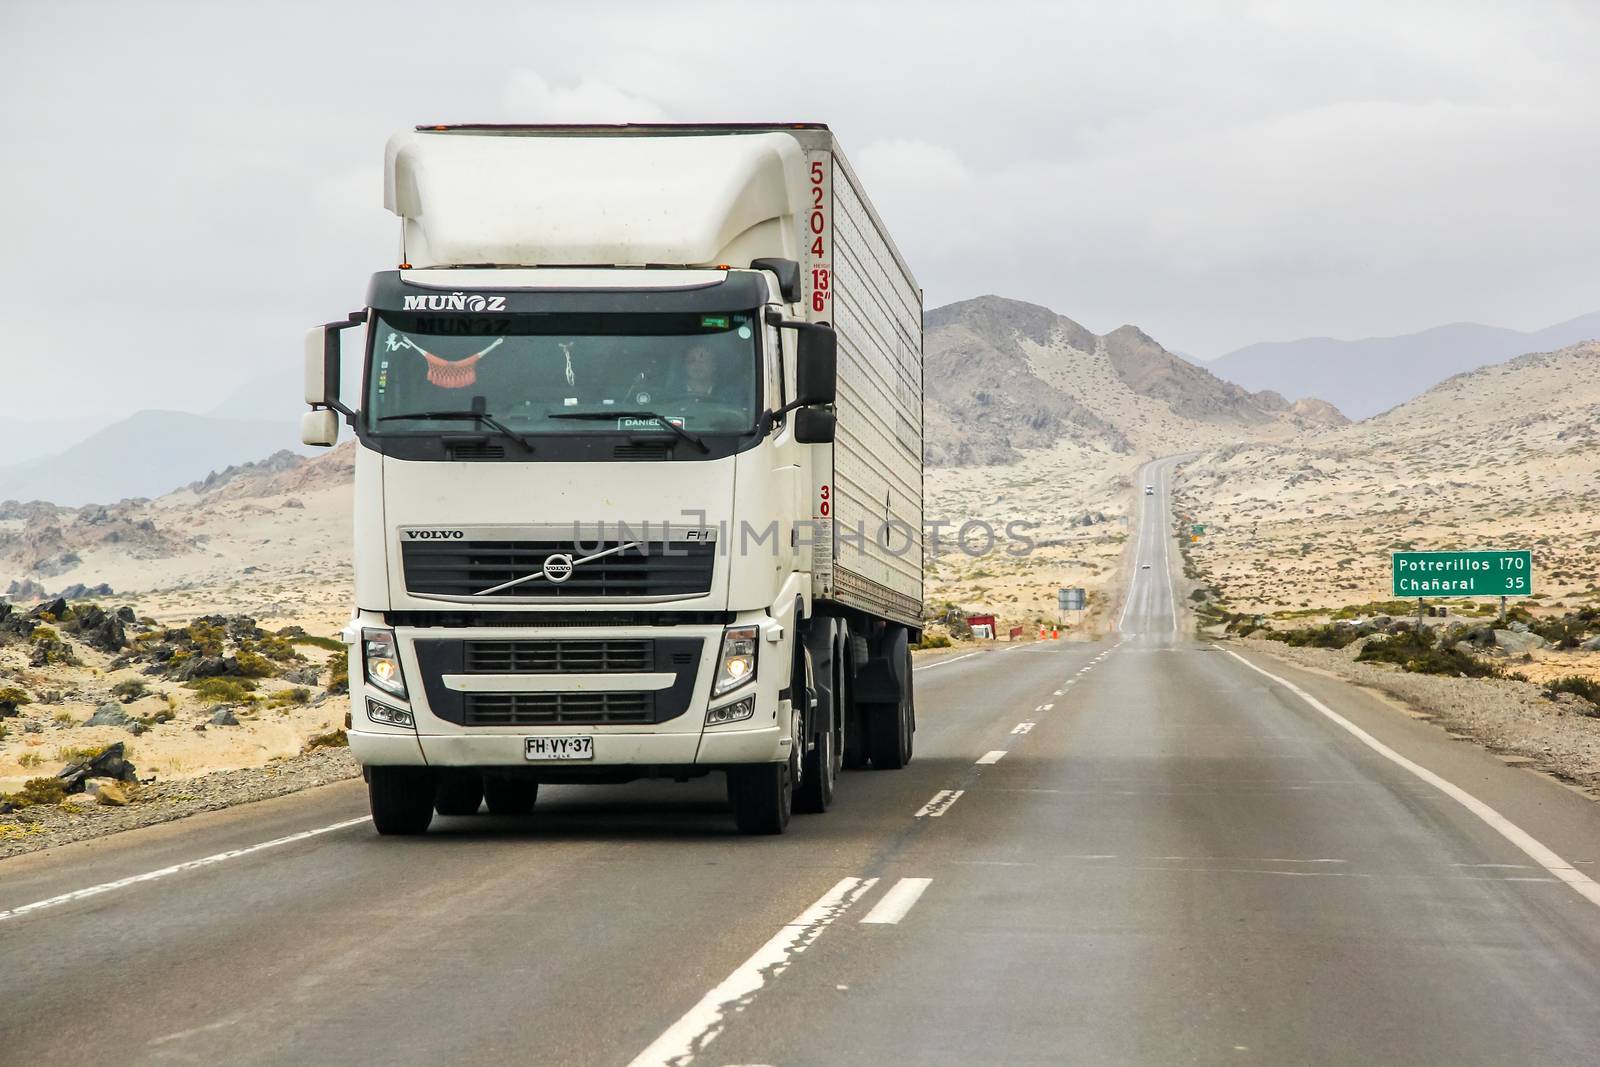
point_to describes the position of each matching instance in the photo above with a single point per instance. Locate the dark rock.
(79, 591)
(205, 667)
(109, 715)
(110, 763)
(1591, 645)
(125, 613)
(136, 728)
(224, 716)
(98, 629)
(303, 676)
(56, 607)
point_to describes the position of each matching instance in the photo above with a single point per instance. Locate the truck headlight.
(736, 663)
(382, 661)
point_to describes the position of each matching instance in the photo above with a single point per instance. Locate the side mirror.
(816, 366)
(319, 427)
(814, 426)
(319, 368)
(788, 274)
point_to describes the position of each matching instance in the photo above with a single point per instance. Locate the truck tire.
(855, 743)
(820, 767)
(891, 725)
(458, 793)
(762, 796)
(401, 799)
(506, 795)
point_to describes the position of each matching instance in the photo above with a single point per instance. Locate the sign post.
(1441, 574)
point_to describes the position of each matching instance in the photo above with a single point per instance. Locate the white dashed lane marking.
(992, 757)
(898, 901)
(1022, 727)
(942, 802)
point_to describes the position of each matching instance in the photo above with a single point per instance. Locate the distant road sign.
(1070, 599)
(1198, 529)
(1462, 573)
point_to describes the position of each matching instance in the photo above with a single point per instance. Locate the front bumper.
(679, 742)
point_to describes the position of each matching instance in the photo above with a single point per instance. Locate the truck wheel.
(820, 767)
(763, 794)
(401, 799)
(509, 796)
(815, 794)
(891, 725)
(458, 793)
(855, 744)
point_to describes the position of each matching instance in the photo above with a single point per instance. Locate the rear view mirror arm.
(330, 361)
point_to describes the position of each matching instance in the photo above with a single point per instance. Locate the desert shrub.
(285, 697)
(156, 718)
(130, 690)
(49, 648)
(38, 791)
(64, 718)
(339, 672)
(331, 739)
(1417, 651)
(933, 641)
(78, 753)
(277, 648)
(29, 759)
(207, 637)
(12, 698)
(328, 644)
(4, 732)
(253, 664)
(224, 690)
(1330, 636)
(1565, 632)
(1577, 685)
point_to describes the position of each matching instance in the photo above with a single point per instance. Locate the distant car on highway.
(1149, 490)
(1144, 566)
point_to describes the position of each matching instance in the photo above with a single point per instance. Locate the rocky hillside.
(1004, 376)
(285, 515)
(1501, 457)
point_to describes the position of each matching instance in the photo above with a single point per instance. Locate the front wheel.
(401, 799)
(763, 797)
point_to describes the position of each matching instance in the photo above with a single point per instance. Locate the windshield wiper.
(601, 416)
(464, 416)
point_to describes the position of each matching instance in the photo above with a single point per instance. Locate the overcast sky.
(187, 187)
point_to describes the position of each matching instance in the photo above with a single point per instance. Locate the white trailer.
(639, 470)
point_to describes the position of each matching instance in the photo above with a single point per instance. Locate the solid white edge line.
(176, 868)
(941, 663)
(701, 1024)
(898, 901)
(942, 801)
(994, 756)
(1513, 833)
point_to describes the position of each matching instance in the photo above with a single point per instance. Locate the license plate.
(541, 748)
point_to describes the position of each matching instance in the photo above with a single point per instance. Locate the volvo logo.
(557, 568)
(436, 535)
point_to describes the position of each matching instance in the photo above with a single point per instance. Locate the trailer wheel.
(401, 799)
(458, 793)
(509, 796)
(891, 725)
(855, 742)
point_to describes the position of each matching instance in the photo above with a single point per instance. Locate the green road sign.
(1462, 573)
(1198, 529)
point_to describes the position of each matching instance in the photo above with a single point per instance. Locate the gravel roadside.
(1507, 717)
(45, 826)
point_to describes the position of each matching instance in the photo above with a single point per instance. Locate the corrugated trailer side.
(873, 500)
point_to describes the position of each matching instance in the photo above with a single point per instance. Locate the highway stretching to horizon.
(1140, 849)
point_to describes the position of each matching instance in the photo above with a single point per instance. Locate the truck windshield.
(700, 371)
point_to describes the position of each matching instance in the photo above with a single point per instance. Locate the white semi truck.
(638, 470)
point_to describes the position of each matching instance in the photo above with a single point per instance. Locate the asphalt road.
(1141, 850)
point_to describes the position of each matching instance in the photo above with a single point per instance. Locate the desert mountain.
(1365, 377)
(1004, 376)
(1500, 457)
(144, 455)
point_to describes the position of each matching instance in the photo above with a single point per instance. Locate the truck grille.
(560, 657)
(558, 709)
(467, 568)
